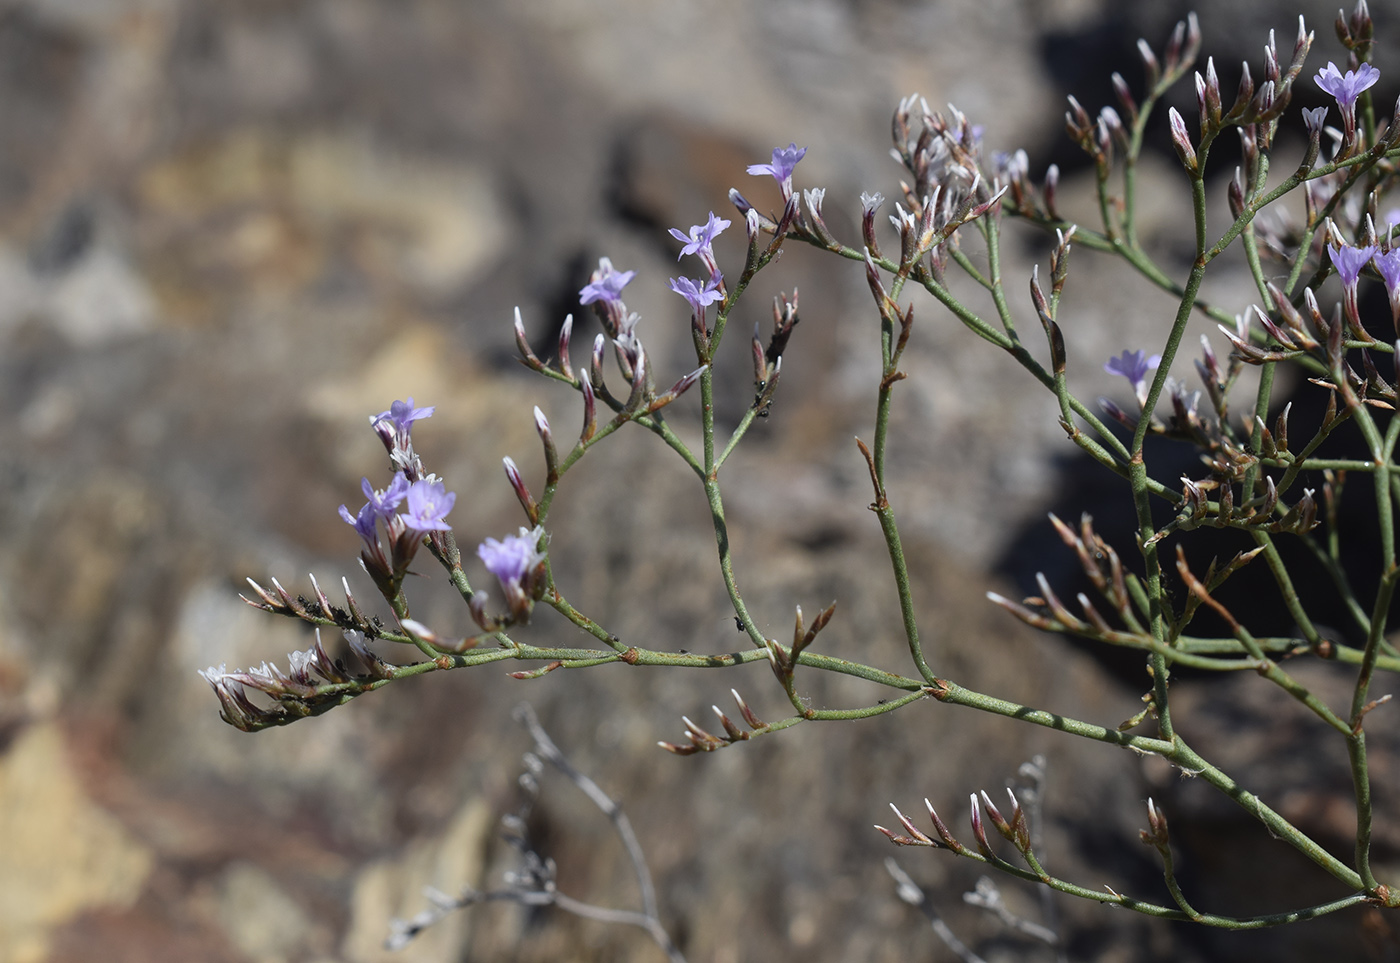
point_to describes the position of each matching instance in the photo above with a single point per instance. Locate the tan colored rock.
(394, 888)
(261, 918)
(59, 853)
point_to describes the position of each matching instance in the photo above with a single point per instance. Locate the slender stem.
(1165, 912)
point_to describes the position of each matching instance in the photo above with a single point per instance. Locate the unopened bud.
(1052, 183)
(1243, 94)
(1077, 120)
(760, 360)
(527, 356)
(639, 380)
(596, 369)
(1181, 140)
(551, 457)
(739, 201)
(1271, 71)
(1236, 194)
(752, 222)
(979, 832)
(1108, 117)
(1212, 91)
(681, 386)
(1150, 66)
(564, 334)
(522, 493)
(1125, 97)
(1264, 98)
(590, 412)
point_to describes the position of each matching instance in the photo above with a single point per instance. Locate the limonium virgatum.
(1260, 473)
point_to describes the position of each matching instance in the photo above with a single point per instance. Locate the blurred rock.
(63, 855)
(229, 232)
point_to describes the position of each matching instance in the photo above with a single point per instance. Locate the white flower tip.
(418, 629)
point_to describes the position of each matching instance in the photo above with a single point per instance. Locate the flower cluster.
(701, 293)
(426, 499)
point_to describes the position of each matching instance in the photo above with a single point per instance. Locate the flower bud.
(522, 493)
(596, 364)
(590, 412)
(527, 356)
(1150, 66)
(1125, 97)
(551, 456)
(1243, 94)
(1052, 183)
(1236, 194)
(1181, 140)
(564, 334)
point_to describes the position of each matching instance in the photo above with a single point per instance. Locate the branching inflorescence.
(1256, 464)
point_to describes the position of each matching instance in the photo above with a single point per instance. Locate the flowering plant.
(1260, 475)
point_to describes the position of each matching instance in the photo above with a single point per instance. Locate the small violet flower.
(364, 523)
(394, 425)
(1387, 265)
(384, 503)
(1346, 88)
(428, 502)
(697, 295)
(1349, 261)
(380, 505)
(784, 160)
(513, 558)
(1134, 365)
(606, 285)
(701, 236)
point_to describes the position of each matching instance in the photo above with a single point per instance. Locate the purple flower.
(784, 160)
(383, 503)
(1388, 267)
(363, 523)
(1349, 261)
(701, 236)
(428, 502)
(698, 296)
(1134, 366)
(513, 558)
(606, 284)
(402, 415)
(1346, 87)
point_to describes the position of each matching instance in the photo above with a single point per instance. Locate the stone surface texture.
(231, 230)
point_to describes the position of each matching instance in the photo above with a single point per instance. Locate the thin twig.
(534, 884)
(525, 715)
(910, 892)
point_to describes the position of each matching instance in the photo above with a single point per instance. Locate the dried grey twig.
(534, 883)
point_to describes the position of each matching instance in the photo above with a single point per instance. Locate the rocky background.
(231, 230)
